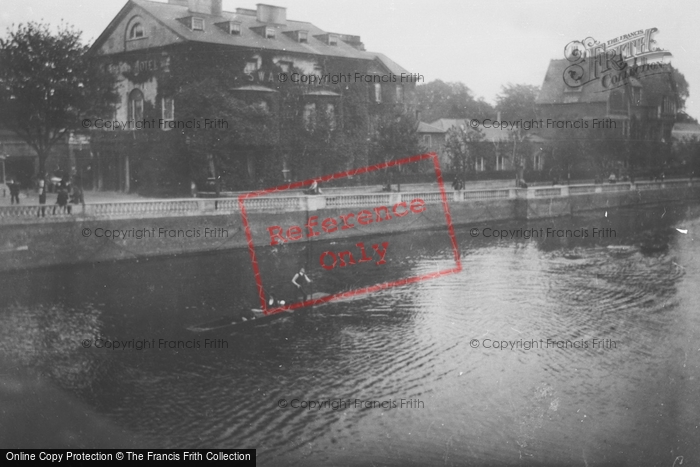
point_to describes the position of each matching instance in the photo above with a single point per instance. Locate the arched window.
(136, 31)
(136, 105)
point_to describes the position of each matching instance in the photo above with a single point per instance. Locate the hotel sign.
(143, 65)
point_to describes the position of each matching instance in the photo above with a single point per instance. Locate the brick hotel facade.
(166, 53)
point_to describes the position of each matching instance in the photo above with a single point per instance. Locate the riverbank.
(107, 231)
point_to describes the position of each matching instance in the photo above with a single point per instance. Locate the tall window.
(168, 110)
(479, 164)
(427, 141)
(538, 162)
(500, 163)
(136, 105)
(377, 92)
(136, 31)
(330, 115)
(310, 116)
(399, 93)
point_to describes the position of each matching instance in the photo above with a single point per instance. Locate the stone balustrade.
(19, 214)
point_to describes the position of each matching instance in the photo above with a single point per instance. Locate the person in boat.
(298, 277)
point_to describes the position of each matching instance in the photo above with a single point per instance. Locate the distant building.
(685, 131)
(434, 135)
(154, 45)
(644, 109)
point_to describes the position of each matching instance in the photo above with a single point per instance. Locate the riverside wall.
(28, 241)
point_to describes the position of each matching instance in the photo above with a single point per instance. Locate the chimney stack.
(207, 7)
(271, 14)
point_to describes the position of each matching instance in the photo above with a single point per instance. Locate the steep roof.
(555, 91)
(427, 128)
(169, 14)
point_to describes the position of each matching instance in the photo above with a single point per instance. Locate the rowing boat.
(256, 315)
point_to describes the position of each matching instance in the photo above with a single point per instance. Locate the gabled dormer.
(301, 36)
(328, 39)
(230, 27)
(267, 31)
(195, 23)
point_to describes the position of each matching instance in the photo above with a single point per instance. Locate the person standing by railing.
(42, 198)
(14, 191)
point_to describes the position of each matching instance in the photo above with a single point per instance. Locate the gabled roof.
(427, 128)
(390, 65)
(555, 91)
(168, 15)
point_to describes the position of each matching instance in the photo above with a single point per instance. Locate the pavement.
(32, 197)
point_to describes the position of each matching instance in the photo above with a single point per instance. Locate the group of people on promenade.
(66, 195)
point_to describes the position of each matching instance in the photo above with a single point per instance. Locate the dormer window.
(303, 37)
(136, 31)
(328, 39)
(268, 32)
(230, 27)
(197, 24)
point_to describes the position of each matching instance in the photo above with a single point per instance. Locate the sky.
(483, 44)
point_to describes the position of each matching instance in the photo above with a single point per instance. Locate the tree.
(517, 102)
(395, 137)
(48, 84)
(464, 145)
(438, 99)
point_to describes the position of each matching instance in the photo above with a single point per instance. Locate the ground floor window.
(500, 163)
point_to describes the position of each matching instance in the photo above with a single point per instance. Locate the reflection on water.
(634, 403)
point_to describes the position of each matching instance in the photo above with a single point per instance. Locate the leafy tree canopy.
(49, 83)
(517, 101)
(438, 99)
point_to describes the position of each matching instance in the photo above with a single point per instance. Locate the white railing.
(486, 194)
(582, 189)
(350, 200)
(548, 192)
(30, 213)
(433, 197)
(615, 187)
(647, 185)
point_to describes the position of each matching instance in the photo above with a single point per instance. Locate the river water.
(417, 367)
